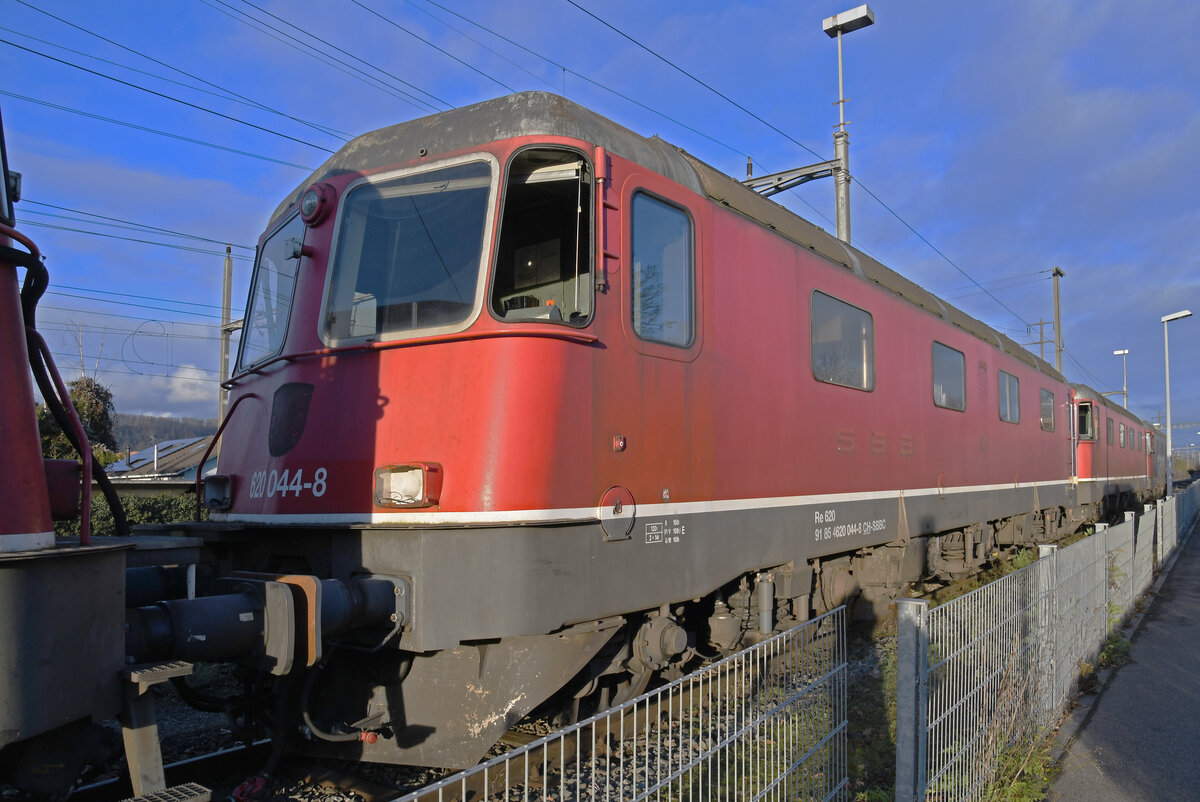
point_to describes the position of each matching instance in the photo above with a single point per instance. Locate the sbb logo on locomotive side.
(847, 441)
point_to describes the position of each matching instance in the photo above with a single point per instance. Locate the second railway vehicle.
(569, 407)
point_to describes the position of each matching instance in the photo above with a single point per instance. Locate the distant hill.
(142, 431)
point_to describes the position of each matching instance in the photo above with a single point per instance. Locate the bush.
(164, 509)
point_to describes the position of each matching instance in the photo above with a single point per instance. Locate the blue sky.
(1012, 135)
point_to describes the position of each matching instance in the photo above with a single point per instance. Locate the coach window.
(949, 378)
(1047, 410)
(1010, 398)
(662, 272)
(543, 262)
(1110, 431)
(843, 343)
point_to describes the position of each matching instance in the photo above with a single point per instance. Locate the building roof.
(168, 460)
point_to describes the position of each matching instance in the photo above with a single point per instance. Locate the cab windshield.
(270, 303)
(408, 254)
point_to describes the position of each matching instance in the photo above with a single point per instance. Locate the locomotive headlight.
(414, 485)
(315, 203)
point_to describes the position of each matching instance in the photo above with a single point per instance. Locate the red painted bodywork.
(522, 417)
(1098, 458)
(26, 506)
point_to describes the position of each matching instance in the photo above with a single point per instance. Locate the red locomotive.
(530, 408)
(585, 397)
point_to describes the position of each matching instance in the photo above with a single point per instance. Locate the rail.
(996, 668)
(766, 723)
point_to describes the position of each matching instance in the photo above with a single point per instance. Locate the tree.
(94, 404)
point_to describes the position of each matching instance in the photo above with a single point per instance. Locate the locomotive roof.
(522, 114)
(542, 113)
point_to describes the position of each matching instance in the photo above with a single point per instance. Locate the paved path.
(1141, 739)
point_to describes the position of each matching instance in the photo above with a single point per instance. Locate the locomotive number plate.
(269, 484)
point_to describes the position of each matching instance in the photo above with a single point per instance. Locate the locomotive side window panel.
(1109, 421)
(1047, 410)
(271, 295)
(1010, 398)
(1087, 426)
(949, 378)
(408, 253)
(843, 343)
(1122, 435)
(662, 272)
(543, 266)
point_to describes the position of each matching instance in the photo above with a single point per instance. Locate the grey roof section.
(176, 459)
(545, 114)
(522, 114)
(1087, 393)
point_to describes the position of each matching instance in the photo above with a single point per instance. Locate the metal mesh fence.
(1143, 552)
(1118, 545)
(1080, 610)
(986, 671)
(994, 669)
(766, 723)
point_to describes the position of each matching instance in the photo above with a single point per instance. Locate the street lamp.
(1124, 382)
(835, 26)
(1167, 363)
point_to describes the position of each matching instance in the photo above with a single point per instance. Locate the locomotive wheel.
(601, 694)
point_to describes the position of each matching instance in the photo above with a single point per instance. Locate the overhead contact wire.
(147, 90)
(230, 94)
(327, 43)
(420, 38)
(155, 131)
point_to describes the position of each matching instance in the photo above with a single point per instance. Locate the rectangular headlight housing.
(416, 484)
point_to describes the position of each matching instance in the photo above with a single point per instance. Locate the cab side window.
(1087, 427)
(543, 267)
(663, 272)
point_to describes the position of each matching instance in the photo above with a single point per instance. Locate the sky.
(990, 142)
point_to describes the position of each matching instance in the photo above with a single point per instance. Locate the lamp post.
(1124, 381)
(835, 26)
(1167, 363)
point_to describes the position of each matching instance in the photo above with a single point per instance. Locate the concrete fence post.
(1169, 528)
(912, 644)
(1047, 629)
(1158, 534)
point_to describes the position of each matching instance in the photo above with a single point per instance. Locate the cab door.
(1084, 436)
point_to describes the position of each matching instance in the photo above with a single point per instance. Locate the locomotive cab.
(1086, 431)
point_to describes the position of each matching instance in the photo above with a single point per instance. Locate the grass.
(871, 702)
(1025, 771)
(1116, 651)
